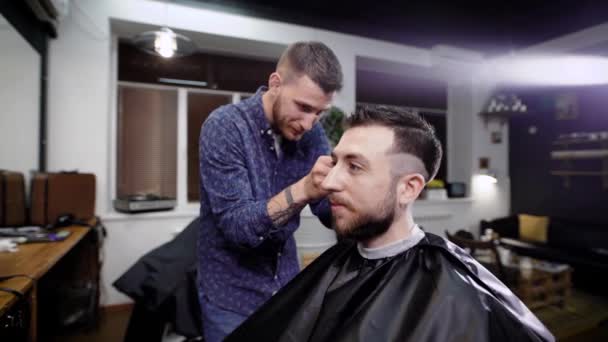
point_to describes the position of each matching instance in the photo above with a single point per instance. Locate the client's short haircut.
(413, 134)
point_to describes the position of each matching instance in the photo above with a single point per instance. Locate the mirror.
(19, 101)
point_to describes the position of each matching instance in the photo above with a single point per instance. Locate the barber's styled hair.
(413, 134)
(317, 61)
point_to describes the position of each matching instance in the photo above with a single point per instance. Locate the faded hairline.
(285, 69)
(289, 74)
(406, 163)
(401, 162)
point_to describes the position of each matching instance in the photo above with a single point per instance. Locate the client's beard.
(369, 226)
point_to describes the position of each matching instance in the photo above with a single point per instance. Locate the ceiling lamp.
(164, 42)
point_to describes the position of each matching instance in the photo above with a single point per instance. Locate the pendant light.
(164, 42)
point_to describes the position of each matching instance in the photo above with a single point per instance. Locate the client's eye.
(354, 167)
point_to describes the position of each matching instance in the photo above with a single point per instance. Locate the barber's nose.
(308, 122)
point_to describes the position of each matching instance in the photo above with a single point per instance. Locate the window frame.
(182, 203)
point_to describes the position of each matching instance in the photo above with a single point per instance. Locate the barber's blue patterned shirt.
(243, 258)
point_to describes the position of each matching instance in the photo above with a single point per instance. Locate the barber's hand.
(311, 183)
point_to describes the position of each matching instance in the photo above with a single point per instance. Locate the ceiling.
(207, 42)
(493, 28)
(490, 27)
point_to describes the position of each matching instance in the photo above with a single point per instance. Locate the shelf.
(597, 137)
(452, 200)
(579, 154)
(579, 141)
(114, 216)
(578, 173)
(502, 116)
(567, 158)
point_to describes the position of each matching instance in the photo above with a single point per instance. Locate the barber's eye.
(305, 108)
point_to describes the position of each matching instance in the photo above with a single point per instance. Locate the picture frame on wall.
(566, 106)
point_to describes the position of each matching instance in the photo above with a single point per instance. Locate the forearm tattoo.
(281, 217)
(288, 196)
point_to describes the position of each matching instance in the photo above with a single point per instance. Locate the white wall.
(128, 239)
(81, 109)
(468, 140)
(19, 96)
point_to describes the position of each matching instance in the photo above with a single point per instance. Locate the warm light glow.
(165, 43)
(487, 179)
(550, 70)
(484, 187)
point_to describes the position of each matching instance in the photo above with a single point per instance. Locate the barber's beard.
(372, 224)
(278, 119)
(276, 110)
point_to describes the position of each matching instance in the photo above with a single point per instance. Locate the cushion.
(533, 228)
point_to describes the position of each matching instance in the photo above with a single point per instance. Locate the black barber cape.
(164, 282)
(433, 291)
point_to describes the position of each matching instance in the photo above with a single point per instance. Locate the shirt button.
(272, 148)
(261, 131)
(274, 292)
(269, 132)
(279, 254)
(261, 238)
(276, 277)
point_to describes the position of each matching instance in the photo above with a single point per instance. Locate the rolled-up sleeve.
(242, 219)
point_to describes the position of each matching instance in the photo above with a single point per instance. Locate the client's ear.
(409, 188)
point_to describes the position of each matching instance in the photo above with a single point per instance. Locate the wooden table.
(539, 288)
(33, 260)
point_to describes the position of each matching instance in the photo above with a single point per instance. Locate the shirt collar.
(259, 116)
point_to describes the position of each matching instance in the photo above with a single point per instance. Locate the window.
(148, 136)
(438, 121)
(200, 105)
(158, 122)
(147, 141)
(406, 86)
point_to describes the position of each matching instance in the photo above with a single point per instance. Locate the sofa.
(582, 245)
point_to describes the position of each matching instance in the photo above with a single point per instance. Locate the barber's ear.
(409, 188)
(274, 81)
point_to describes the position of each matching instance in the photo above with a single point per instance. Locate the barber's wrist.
(298, 192)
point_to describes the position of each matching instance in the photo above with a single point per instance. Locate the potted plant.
(435, 190)
(332, 123)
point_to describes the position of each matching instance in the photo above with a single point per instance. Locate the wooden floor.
(111, 328)
(594, 328)
(598, 334)
(584, 318)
